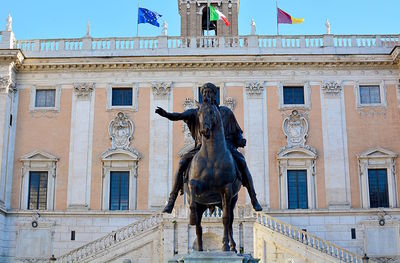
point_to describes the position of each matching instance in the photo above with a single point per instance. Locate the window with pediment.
(120, 166)
(377, 171)
(297, 177)
(38, 181)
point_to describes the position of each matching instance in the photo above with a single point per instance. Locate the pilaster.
(8, 99)
(160, 149)
(256, 133)
(334, 137)
(80, 154)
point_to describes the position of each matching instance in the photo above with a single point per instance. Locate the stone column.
(80, 155)
(256, 133)
(160, 150)
(334, 136)
(8, 102)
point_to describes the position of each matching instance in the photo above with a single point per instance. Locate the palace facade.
(86, 165)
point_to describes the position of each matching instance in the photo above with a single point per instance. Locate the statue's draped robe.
(233, 132)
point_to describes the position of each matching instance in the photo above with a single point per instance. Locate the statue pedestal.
(213, 257)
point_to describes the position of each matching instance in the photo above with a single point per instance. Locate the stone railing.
(110, 240)
(308, 239)
(173, 45)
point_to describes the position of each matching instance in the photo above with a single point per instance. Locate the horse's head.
(207, 118)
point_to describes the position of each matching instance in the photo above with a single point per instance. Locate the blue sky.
(67, 19)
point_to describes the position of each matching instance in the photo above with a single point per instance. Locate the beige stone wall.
(46, 131)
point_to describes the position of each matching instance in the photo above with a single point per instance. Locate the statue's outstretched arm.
(175, 116)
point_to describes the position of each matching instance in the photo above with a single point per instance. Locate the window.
(297, 189)
(121, 97)
(297, 177)
(378, 188)
(377, 171)
(119, 190)
(370, 95)
(38, 181)
(120, 170)
(45, 98)
(217, 95)
(293, 95)
(37, 190)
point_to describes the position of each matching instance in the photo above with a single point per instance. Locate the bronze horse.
(213, 176)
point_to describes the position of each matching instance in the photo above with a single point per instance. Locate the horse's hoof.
(225, 248)
(234, 249)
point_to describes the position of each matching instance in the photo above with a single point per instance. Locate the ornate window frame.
(377, 158)
(307, 95)
(38, 161)
(120, 160)
(382, 93)
(297, 158)
(57, 101)
(134, 86)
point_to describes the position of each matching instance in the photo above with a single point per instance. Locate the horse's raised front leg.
(231, 240)
(226, 203)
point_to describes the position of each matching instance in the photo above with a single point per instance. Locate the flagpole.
(277, 24)
(208, 16)
(137, 22)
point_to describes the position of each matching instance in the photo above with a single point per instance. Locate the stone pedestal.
(213, 257)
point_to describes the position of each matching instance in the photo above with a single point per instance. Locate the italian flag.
(217, 15)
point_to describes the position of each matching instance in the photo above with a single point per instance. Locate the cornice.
(12, 56)
(206, 62)
(395, 54)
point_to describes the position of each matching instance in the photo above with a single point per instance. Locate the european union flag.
(147, 16)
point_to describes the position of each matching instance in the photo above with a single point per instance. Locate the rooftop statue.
(253, 27)
(9, 23)
(214, 170)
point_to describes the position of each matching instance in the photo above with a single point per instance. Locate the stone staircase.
(274, 241)
(277, 241)
(140, 238)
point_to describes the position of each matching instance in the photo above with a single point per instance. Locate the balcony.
(179, 46)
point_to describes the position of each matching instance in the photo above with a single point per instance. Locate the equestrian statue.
(214, 170)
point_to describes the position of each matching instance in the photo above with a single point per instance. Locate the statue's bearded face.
(208, 95)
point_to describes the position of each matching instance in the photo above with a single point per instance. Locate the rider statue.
(233, 137)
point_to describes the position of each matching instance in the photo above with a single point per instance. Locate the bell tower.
(194, 18)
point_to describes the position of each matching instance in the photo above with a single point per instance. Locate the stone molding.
(295, 128)
(121, 131)
(158, 65)
(230, 103)
(161, 89)
(6, 84)
(189, 142)
(83, 90)
(331, 88)
(254, 88)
